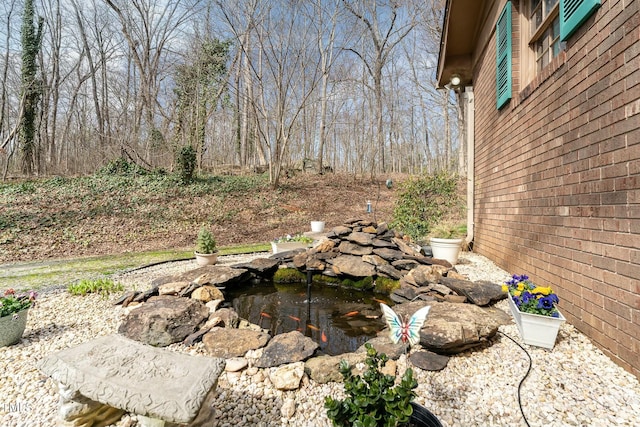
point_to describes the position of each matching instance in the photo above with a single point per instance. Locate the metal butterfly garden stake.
(405, 330)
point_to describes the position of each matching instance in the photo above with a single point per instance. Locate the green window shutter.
(573, 13)
(503, 57)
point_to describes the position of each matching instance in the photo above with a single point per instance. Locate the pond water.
(339, 320)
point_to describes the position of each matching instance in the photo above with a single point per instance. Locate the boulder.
(389, 254)
(480, 293)
(452, 328)
(287, 377)
(207, 293)
(424, 275)
(383, 344)
(324, 369)
(164, 320)
(351, 248)
(360, 238)
(429, 361)
(227, 342)
(263, 267)
(221, 276)
(352, 266)
(286, 348)
(172, 288)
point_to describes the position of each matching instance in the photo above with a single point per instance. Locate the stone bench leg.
(81, 411)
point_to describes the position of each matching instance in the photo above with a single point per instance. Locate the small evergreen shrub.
(372, 399)
(205, 243)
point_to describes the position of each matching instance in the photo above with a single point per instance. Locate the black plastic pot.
(422, 417)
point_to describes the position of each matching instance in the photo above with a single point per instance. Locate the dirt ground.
(42, 225)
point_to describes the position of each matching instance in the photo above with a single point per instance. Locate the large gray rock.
(264, 267)
(286, 348)
(360, 238)
(479, 293)
(351, 248)
(429, 361)
(452, 328)
(424, 275)
(383, 344)
(227, 342)
(164, 320)
(389, 254)
(352, 266)
(214, 275)
(324, 369)
(140, 379)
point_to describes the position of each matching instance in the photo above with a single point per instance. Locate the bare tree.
(384, 36)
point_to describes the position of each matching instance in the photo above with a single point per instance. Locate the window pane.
(535, 4)
(548, 5)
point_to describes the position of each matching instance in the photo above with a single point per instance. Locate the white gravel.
(574, 384)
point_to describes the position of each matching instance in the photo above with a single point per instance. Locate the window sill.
(555, 64)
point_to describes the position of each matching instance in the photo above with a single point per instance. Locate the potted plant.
(206, 251)
(13, 315)
(534, 311)
(373, 400)
(317, 226)
(446, 241)
(290, 243)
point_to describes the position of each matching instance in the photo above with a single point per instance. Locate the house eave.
(460, 29)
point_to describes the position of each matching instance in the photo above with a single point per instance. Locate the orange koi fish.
(315, 328)
(323, 337)
(297, 319)
(351, 313)
(379, 300)
(263, 314)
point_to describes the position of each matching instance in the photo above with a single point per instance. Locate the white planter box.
(535, 329)
(287, 246)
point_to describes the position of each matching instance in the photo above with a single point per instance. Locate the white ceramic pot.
(206, 259)
(535, 329)
(317, 226)
(447, 249)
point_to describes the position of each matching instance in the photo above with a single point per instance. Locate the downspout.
(468, 122)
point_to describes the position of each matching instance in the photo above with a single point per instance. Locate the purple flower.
(527, 296)
(545, 302)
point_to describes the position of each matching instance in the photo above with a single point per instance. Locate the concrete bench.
(102, 379)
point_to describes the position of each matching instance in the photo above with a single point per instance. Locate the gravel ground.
(574, 384)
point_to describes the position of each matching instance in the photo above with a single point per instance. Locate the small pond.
(339, 320)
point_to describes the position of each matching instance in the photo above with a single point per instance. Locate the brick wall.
(557, 184)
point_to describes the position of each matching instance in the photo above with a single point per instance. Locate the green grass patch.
(43, 274)
(98, 286)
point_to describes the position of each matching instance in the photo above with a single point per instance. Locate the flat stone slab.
(135, 377)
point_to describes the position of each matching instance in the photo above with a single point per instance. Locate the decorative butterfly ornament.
(405, 331)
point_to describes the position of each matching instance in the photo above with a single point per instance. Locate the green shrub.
(102, 286)
(372, 399)
(424, 201)
(121, 166)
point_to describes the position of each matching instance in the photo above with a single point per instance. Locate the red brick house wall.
(557, 175)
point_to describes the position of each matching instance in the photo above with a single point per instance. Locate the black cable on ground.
(523, 378)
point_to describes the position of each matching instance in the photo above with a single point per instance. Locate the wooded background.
(339, 85)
